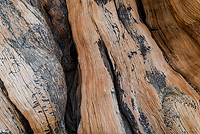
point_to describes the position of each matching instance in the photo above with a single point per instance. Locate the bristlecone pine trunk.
(100, 66)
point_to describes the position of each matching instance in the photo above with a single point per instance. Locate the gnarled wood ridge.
(100, 66)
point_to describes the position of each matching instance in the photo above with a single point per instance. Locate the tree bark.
(99, 66)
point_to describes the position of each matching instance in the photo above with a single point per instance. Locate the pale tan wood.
(9, 118)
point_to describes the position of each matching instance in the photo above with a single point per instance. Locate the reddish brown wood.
(99, 66)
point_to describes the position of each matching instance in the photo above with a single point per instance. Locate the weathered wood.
(119, 83)
(99, 108)
(56, 15)
(11, 120)
(174, 26)
(30, 67)
(152, 96)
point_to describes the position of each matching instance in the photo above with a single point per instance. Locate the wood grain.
(30, 67)
(172, 25)
(11, 120)
(99, 66)
(151, 95)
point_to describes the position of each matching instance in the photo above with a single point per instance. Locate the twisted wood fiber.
(119, 83)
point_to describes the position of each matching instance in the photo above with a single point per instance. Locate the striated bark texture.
(99, 66)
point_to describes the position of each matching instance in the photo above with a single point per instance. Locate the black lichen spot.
(156, 78)
(129, 9)
(130, 117)
(133, 105)
(140, 39)
(131, 54)
(116, 31)
(144, 122)
(13, 117)
(142, 47)
(36, 104)
(125, 15)
(118, 74)
(132, 68)
(113, 92)
(123, 36)
(102, 2)
(45, 100)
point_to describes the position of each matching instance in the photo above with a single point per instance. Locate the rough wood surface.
(11, 120)
(120, 83)
(151, 95)
(30, 67)
(174, 26)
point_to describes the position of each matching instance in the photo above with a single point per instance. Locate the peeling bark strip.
(120, 83)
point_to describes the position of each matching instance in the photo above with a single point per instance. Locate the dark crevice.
(72, 116)
(141, 11)
(118, 91)
(62, 34)
(49, 19)
(120, 94)
(130, 125)
(195, 89)
(125, 111)
(73, 53)
(61, 31)
(22, 119)
(105, 57)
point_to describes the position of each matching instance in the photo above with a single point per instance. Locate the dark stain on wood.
(156, 78)
(124, 14)
(145, 122)
(105, 57)
(102, 2)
